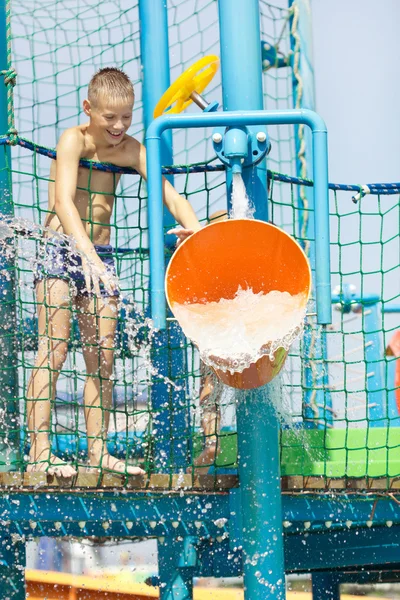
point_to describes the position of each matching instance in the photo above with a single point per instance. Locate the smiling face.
(109, 121)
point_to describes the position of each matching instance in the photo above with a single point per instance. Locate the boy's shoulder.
(73, 139)
(126, 153)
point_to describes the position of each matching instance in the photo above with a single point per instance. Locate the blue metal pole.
(303, 97)
(260, 491)
(239, 25)
(9, 436)
(154, 49)
(316, 399)
(325, 586)
(12, 569)
(177, 559)
(374, 357)
(168, 356)
(263, 562)
(240, 118)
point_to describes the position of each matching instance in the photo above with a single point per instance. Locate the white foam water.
(231, 334)
(241, 207)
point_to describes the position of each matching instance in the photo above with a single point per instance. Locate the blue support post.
(12, 569)
(317, 400)
(303, 97)
(259, 464)
(9, 402)
(260, 492)
(325, 586)
(168, 355)
(374, 357)
(176, 563)
(239, 24)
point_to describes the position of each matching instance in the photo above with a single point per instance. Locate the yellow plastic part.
(47, 585)
(195, 79)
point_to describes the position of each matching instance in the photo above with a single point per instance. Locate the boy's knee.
(99, 362)
(54, 353)
(218, 215)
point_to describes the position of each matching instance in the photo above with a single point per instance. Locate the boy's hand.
(181, 234)
(95, 272)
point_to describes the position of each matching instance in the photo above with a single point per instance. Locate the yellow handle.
(195, 79)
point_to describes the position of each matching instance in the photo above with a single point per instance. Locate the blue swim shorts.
(57, 261)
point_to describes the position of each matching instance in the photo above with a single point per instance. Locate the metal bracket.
(258, 147)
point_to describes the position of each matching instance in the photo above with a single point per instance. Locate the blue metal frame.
(260, 478)
(241, 118)
(8, 373)
(321, 531)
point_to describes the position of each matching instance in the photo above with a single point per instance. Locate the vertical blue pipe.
(154, 50)
(325, 586)
(239, 24)
(240, 42)
(374, 356)
(168, 357)
(177, 559)
(260, 492)
(9, 436)
(304, 97)
(12, 569)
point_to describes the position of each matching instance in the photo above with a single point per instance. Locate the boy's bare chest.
(94, 181)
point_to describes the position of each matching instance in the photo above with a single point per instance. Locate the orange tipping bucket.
(212, 264)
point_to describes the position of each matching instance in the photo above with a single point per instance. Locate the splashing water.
(136, 324)
(231, 334)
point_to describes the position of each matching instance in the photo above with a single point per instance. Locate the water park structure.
(222, 89)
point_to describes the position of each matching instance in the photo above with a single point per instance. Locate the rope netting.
(166, 413)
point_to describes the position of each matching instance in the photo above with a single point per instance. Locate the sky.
(356, 61)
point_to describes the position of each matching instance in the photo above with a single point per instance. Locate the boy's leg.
(97, 323)
(210, 418)
(210, 392)
(54, 316)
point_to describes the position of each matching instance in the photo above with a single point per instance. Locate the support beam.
(170, 359)
(9, 407)
(260, 493)
(177, 559)
(12, 569)
(325, 586)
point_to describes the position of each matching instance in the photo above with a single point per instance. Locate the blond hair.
(112, 83)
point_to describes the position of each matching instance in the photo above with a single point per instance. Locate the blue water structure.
(317, 493)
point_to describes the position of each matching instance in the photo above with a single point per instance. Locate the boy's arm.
(69, 151)
(178, 206)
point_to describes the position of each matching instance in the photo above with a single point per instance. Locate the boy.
(80, 205)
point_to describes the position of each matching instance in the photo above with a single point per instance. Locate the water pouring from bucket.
(239, 289)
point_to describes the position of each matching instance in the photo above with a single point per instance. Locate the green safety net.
(338, 385)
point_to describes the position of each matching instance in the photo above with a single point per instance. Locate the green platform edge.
(370, 452)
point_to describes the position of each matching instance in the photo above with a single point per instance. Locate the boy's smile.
(109, 120)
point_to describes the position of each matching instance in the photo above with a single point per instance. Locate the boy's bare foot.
(53, 466)
(110, 463)
(205, 460)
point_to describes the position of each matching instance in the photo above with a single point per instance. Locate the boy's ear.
(86, 107)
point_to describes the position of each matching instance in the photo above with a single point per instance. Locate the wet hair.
(112, 83)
